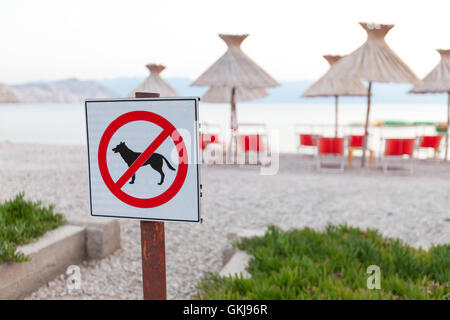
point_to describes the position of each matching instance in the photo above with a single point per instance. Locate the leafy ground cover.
(21, 222)
(307, 264)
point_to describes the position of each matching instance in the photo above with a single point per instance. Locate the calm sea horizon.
(65, 123)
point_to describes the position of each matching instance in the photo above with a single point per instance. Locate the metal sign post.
(153, 248)
(153, 260)
(167, 188)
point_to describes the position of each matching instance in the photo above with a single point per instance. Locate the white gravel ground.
(414, 208)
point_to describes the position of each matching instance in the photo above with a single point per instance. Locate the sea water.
(65, 123)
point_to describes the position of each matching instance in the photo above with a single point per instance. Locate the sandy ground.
(414, 208)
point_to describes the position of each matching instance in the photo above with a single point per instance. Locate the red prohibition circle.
(168, 131)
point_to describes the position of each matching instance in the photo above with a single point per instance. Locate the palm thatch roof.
(235, 68)
(154, 83)
(438, 80)
(374, 61)
(223, 94)
(7, 95)
(333, 85)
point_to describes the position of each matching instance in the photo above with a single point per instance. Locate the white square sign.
(143, 158)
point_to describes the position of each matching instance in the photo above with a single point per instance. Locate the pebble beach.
(413, 208)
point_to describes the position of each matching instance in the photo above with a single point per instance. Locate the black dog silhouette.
(155, 160)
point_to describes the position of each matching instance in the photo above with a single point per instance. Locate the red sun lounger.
(400, 150)
(356, 142)
(251, 142)
(430, 142)
(330, 148)
(254, 146)
(308, 142)
(206, 139)
(210, 146)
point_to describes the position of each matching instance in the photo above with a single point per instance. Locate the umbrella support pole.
(232, 149)
(366, 125)
(336, 103)
(447, 131)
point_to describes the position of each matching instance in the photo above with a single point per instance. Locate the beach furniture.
(399, 152)
(307, 136)
(234, 77)
(206, 139)
(374, 61)
(330, 154)
(426, 143)
(154, 83)
(333, 85)
(355, 143)
(253, 143)
(211, 147)
(438, 81)
(307, 141)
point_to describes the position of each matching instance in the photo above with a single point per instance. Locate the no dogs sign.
(143, 158)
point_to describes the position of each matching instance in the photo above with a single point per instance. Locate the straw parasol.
(154, 83)
(7, 95)
(374, 61)
(438, 81)
(231, 74)
(329, 86)
(223, 94)
(235, 68)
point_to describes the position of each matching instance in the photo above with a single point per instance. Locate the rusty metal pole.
(153, 249)
(447, 131)
(336, 120)
(366, 126)
(153, 260)
(233, 125)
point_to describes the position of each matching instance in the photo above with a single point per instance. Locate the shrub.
(21, 222)
(306, 264)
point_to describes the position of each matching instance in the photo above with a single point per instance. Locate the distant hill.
(62, 91)
(123, 86)
(7, 95)
(75, 90)
(288, 92)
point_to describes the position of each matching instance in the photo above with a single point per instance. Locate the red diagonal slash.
(142, 158)
(168, 130)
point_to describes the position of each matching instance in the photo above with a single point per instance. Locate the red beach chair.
(251, 142)
(399, 149)
(356, 142)
(430, 142)
(252, 139)
(206, 139)
(330, 148)
(210, 145)
(307, 141)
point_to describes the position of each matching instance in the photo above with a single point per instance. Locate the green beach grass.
(306, 264)
(21, 222)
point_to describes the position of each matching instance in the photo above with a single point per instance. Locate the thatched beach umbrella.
(223, 94)
(374, 61)
(231, 74)
(154, 83)
(7, 95)
(438, 81)
(332, 86)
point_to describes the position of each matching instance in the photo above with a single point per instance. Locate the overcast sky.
(56, 39)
